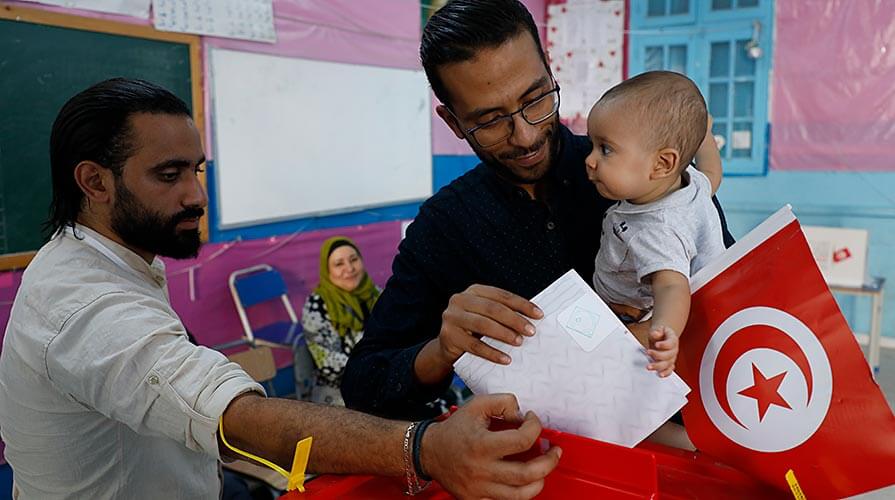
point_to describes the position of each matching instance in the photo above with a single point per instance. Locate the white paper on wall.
(244, 19)
(585, 44)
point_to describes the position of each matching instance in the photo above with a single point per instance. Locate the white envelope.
(582, 372)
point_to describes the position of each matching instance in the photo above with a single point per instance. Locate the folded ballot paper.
(582, 372)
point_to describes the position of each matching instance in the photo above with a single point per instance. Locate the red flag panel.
(779, 381)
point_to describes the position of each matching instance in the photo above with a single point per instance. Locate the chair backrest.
(255, 285)
(261, 285)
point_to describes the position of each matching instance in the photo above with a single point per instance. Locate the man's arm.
(708, 158)
(461, 453)
(426, 317)
(708, 161)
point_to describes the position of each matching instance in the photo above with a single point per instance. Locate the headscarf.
(347, 310)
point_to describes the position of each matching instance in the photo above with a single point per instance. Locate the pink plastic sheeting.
(9, 283)
(210, 313)
(833, 104)
(381, 33)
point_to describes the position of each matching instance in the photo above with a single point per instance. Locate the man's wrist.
(426, 458)
(445, 358)
(431, 365)
(421, 429)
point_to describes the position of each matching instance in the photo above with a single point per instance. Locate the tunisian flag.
(779, 381)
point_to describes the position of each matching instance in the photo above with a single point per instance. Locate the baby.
(645, 132)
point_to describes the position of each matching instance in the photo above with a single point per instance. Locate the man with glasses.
(503, 231)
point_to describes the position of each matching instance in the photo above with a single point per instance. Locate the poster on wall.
(243, 19)
(135, 8)
(585, 44)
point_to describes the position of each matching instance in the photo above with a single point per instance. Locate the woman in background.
(334, 314)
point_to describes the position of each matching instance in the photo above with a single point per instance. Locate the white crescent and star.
(765, 380)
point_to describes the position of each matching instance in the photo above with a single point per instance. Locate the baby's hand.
(663, 349)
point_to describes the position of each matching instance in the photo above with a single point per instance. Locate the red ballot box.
(587, 469)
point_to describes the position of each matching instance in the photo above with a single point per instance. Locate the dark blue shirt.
(479, 229)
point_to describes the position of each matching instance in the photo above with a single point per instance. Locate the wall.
(832, 134)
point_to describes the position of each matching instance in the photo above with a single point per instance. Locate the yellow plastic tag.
(296, 478)
(299, 465)
(794, 485)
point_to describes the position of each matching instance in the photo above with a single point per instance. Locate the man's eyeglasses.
(495, 131)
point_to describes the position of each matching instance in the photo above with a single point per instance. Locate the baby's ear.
(666, 163)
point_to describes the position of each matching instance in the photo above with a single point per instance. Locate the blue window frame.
(712, 46)
(664, 12)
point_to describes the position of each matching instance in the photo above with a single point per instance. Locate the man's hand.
(663, 350)
(485, 311)
(467, 459)
(479, 311)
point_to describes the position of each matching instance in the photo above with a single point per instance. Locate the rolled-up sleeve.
(127, 356)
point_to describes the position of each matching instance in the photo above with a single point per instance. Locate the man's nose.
(196, 195)
(524, 135)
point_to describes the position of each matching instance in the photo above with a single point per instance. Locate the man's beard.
(140, 227)
(504, 171)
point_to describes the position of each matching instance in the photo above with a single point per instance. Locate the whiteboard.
(295, 138)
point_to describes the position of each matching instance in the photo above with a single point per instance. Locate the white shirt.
(101, 393)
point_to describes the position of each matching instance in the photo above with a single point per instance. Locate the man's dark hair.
(462, 27)
(94, 126)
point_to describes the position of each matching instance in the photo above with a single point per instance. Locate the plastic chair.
(256, 285)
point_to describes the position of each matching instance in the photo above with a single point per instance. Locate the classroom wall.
(199, 287)
(201, 296)
(832, 133)
(814, 163)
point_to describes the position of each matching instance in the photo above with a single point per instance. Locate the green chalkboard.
(41, 67)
